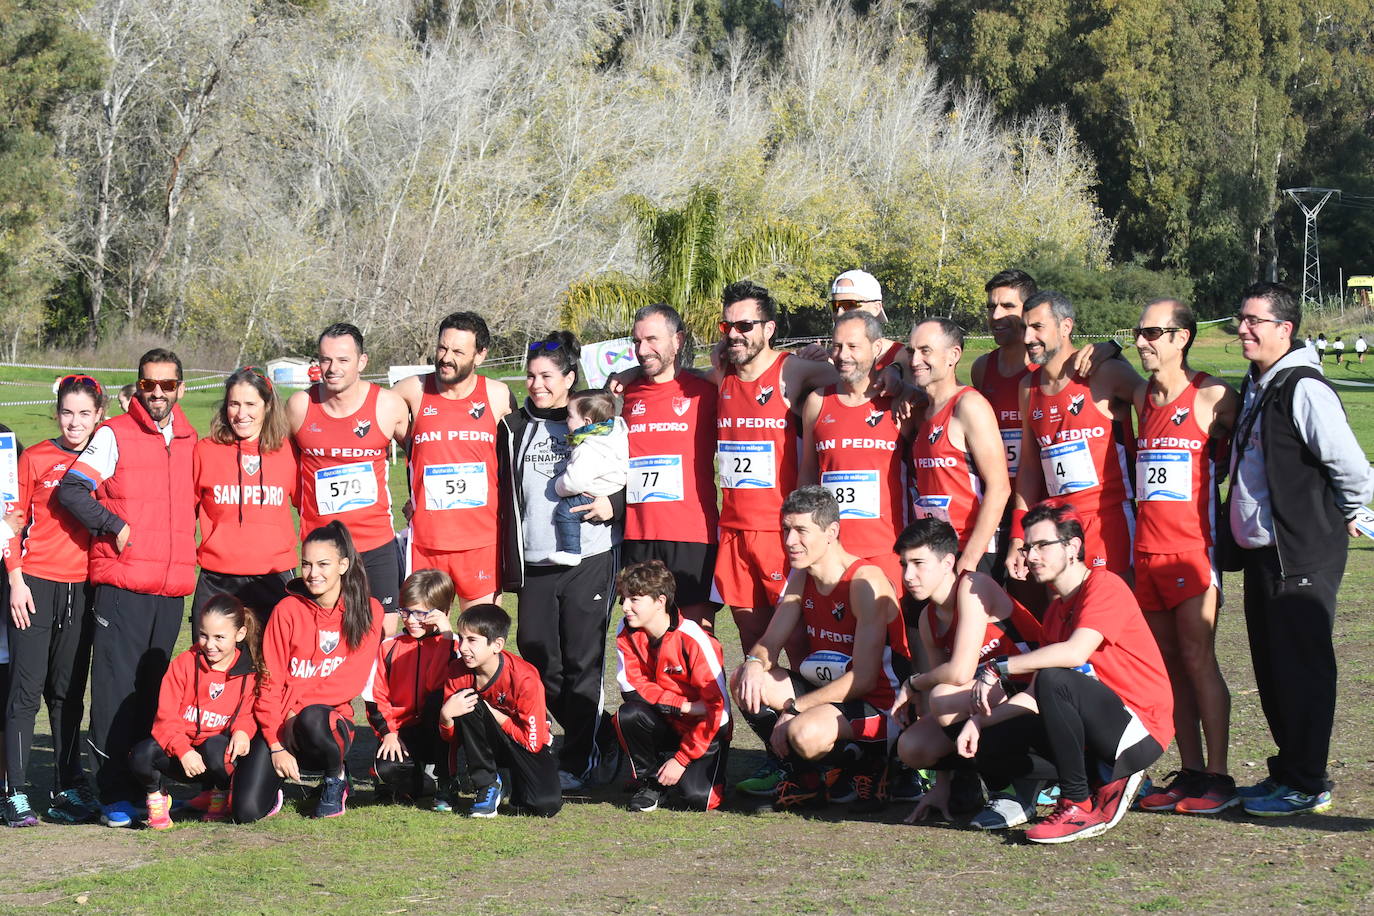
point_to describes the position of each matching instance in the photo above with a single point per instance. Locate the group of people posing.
(987, 597)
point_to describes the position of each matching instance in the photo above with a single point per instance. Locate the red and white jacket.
(408, 672)
(197, 703)
(517, 691)
(686, 664)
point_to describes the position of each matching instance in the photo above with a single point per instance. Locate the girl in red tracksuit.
(204, 712)
(245, 485)
(406, 690)
(318, 650)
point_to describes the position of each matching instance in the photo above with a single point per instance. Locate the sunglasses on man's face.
(1153, 334)
(744, 325)
(149, 385)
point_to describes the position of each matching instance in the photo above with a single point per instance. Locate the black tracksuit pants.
(152, 766)
(424, 747)
(650, 741)
(534, 786)
(50, 660)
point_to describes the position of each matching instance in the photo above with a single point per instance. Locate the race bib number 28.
(1163, 475)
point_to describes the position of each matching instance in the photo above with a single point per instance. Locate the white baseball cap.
(858, 286)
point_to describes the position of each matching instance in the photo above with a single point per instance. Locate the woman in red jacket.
(50, 617)
(318, 649)
(245, 476)
(204, 712)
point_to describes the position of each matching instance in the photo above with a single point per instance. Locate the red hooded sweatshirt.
(309, 662)
(244, 499)
(408, 672)
(197, 703)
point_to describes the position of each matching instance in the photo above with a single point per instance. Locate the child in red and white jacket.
(204, 713)
(407, 689)
(674, 723)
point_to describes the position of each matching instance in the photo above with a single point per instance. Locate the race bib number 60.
(344, 488)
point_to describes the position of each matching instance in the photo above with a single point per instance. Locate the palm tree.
(689, 261)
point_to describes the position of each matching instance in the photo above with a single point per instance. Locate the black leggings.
(1081, 722)
(50, 660)
(152, 765)
(423, 747)
(318, 736)
(649, 741)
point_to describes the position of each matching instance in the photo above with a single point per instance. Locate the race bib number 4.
(932, 507)
(1163, 475)
(455, 486)
(1011, 442)
(746, 465)
(655, 479)
(857, 492)
(1068, 468)
(345, 487)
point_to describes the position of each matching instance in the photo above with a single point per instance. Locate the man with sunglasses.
(132, 488)
(1186, 417)
(1298, 478)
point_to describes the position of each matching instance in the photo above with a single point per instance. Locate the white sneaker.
(1002, 811)
(570, 783)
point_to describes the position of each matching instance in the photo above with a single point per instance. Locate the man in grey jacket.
(1297, 478)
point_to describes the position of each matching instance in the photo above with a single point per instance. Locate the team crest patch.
(251, 464)
(1180, 414)
(838, 611)
(935, 434)
(764, 394)
(1076, 404)
(216, 690)
(681, 405)
(362, 428)
(501, 699)
(874, 417)
(477, 409)
(329, 641)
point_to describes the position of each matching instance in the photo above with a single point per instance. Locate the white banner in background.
(602, 360)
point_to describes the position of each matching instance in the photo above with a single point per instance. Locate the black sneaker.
(870, 787)
(76, 805)
(15, 806)
(801, 791)
(647, 798)
(905, 784)
(966, 793)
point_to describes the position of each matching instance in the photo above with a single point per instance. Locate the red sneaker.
(1214, 796)
(219, 807)
(1112, 801)
(1181, 785)
(1068, 822)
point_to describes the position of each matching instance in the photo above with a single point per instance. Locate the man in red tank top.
(859, 291)
(670, 512)
(758, 434)
(452, 508)
(832, 711)
(1186, 418)
(1075, 438)
(853, 446)
(958, 461)
(343, 428)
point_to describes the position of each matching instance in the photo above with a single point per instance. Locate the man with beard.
(670, 512)
(453, 480)
(344, 427)
(1075, 438)
(132, 488)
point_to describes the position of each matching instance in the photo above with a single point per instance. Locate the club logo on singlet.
(1076, 404)
(216, 690)
(329, 641)
(251, 464)
(477, 409)
(362, 428)
(838, 611)
(935, 434)
(1180, 414)
(874, 417)
(1037, 414)
(764, 394)
(501, 699)
(639, 409)
(430, 411)
(681, 405)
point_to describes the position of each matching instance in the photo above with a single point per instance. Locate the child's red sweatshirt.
(197, 703)
(309, 662)
(408, 672)
(516, 690)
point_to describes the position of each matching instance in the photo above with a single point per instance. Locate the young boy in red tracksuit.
(406, 691)
(495, 703)
(675, 721)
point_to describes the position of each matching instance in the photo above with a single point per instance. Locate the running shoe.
(199, 803)
(1288, 802)
(570, 783)
(965, 792)
(159, 811)
(119, 814)
(1002, 811)
(1216, 794)
(443, 799)
(74, 805)
(17, 811)
(1112, 801)
(218, 809)
(1048, 795)
(801, 791)
(333, 797)
(648, 798)
(842, 787)
(1266, 788)
(1068, 822)
(763, 782)
(488, 800)
(905, 784)
(870, 787)
(1180, 784)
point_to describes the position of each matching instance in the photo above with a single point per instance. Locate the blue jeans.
(567, 525)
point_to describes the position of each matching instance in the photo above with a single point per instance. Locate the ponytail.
(241, 617)
(357, 598)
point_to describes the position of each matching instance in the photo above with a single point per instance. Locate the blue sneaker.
(488, 800)
(1268, 788)
(1288, 802)
(1048, 795)
(119, 814)
(333, 797)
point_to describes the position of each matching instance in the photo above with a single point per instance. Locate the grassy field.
(596, 858)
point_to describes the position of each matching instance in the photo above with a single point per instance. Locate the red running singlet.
(1004, 394)
(859, 460)
(1001, 639)
(344, 472)
(670, 495)
(1083, 453)
(947, 483)
(830, 623)
(756, 450)
(1175, 477)
(453, 470)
